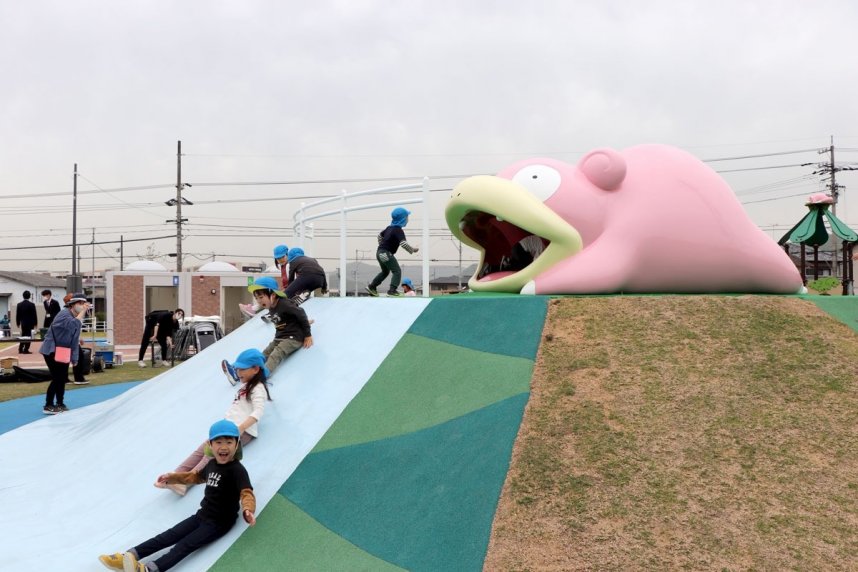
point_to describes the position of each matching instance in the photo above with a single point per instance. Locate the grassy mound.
(685, 433)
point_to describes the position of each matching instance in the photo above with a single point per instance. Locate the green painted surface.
(286, 538)
(502, 325)
(423, 501)
(844, 308)
(424, 382)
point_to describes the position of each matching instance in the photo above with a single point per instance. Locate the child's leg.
(393, 264)
(167, 538)
(195, 461)
(190, 537)
(382, 256)
(281, 350)
(269, 348)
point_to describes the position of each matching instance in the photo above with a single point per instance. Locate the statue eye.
(540, 180)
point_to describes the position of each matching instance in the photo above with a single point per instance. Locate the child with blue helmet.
(228, 493)
(389, 241)
(281, 252)
(305, 275)
(408, 287)
(292, 328)
(245, 411)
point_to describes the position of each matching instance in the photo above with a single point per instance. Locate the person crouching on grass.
(228, 488)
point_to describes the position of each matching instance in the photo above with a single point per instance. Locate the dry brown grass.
(685, 433)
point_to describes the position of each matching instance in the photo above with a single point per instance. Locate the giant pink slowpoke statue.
(651, 218)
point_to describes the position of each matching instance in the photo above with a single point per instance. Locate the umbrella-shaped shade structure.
(811, 231)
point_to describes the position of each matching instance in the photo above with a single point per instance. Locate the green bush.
(823, 285)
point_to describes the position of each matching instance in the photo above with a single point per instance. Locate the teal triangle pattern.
(426, 499)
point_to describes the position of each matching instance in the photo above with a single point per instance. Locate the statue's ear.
(605, 168)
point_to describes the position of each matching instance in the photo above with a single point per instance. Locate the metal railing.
(301, 218)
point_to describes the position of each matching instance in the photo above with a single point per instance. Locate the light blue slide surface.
(80, 484)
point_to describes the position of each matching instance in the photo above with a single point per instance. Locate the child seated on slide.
(246, 411)
(228, 492)
(292, 328)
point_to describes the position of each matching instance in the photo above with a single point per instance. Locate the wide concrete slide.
(80, 484)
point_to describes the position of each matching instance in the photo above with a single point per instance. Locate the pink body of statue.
(651, 218)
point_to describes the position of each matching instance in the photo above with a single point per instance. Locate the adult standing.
(26, 319)
(81, 365)
(52, 307)
(64, 333)
(160, 326)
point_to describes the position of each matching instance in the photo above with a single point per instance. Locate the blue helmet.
(223, 428)
(407, 282)
(265, 283)
(399, 216)
(295, 253)
(280, 251)
(250, 358)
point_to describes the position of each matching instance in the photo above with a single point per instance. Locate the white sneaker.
(165, 364)
(141, 363)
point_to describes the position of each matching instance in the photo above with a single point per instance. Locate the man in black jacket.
(52, 307)
(160, 327)
(26, 319)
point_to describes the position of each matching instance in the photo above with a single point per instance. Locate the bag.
(62, 355)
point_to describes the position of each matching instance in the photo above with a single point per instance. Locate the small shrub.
(823, 285)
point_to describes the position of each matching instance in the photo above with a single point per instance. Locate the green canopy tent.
(811, 231)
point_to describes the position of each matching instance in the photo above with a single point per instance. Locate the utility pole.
(178, 202)
(179, 208)
(74, 223)
(121, 253)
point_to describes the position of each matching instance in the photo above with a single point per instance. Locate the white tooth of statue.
(499, 219)
(461, 225)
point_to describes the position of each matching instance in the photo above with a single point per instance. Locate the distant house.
(447, 285)
(13, 284)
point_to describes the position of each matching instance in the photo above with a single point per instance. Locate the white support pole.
(425, 246)
(343, 271)
(301, 225)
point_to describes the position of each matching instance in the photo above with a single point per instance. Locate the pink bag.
(62, 355)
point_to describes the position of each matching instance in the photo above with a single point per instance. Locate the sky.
(313, 98)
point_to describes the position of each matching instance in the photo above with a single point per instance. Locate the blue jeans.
(191, 534)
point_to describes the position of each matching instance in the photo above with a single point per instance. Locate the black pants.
(305, 283)
(191, 534)
(388, 264)
(59, 379)
(25, 346)
(144, 344)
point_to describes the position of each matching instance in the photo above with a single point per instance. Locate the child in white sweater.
(246, 411)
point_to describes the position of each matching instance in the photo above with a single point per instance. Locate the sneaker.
(81, 382)
(141, 363)
(372, 291)
(49, 410)
(130, 563)
(111, 561)
(165, 363)
(61, 408)
(229, 372)
(394, 293)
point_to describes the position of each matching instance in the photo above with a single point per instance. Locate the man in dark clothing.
(160, 326)
(26, 319)
(52, 307)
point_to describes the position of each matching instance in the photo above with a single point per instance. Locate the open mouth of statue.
(507, 248)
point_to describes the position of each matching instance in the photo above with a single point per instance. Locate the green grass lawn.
(686, 433)
(127, 372)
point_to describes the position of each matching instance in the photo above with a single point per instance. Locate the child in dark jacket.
(228, 488)
(389, 241)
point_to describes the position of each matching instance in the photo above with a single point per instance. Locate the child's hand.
(249, 518)
(308, 342)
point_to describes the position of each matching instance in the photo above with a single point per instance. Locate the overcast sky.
(286, 91)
